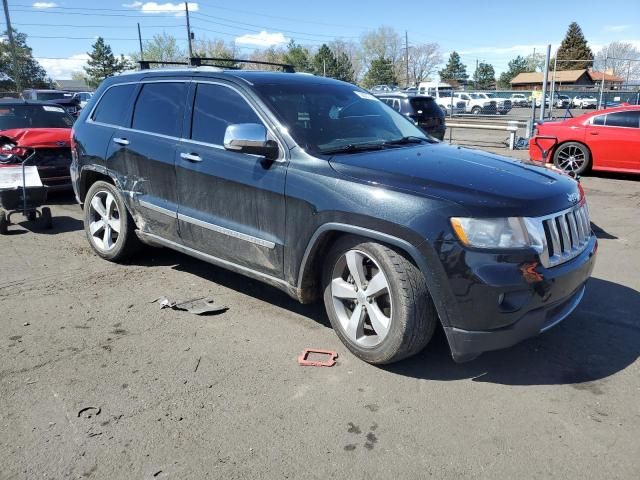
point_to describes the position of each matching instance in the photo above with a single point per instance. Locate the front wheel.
(476, 110)
(572, 158)
(377, 301)
(107, 223)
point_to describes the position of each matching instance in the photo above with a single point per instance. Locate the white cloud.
(616, 28)
(262, 39)
(176, 9)
(63, 68)
(45, 5)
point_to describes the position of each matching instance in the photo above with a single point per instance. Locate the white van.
(443, 95)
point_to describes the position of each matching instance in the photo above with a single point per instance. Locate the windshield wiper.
(353, 148)
(407, 140)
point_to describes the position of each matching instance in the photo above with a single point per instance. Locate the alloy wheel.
(104, 224)
(361, 299)
(571, 158)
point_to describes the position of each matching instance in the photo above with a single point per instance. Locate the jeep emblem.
(573, 197)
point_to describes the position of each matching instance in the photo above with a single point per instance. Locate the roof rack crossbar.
(146, 64)
(198, 61)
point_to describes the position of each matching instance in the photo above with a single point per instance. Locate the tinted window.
(34, 116)
(114, 105)
(599, 120)
(215, 108)
(160, 108)
(426, 107)
(623, 119)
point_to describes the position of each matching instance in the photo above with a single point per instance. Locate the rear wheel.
(377, 301)
(572, 157)
(107, 223)
(476, 110)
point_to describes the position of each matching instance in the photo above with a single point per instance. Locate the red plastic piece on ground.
(304, 361)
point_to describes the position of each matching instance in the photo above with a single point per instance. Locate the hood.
(39, 137)
(485, 184)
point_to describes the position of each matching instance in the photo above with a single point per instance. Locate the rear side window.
(114, 105)
(426, 107)
(623, 119)
(599, 120)
(215, 108)
(160, 108)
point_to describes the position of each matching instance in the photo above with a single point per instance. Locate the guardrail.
(511, 127)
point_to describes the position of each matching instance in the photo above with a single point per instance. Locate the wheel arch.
(563, 142)
(90, 175)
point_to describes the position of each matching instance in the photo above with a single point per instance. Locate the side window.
(421, 90)
(160, 108)
(623, 119)
(215, 108)
(114, 104)
(599, 120)
(396, 105)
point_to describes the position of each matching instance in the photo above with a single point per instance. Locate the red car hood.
(39, 137)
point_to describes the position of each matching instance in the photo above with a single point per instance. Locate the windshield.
(52, 95)
(445, 92)
(324, 118)
(490, 95)
(33, 116)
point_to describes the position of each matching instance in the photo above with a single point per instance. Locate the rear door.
(614, 140)
(232, 205)
(149, 148)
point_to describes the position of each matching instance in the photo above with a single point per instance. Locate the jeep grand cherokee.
(318, 188)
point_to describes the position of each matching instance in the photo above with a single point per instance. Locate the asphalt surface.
(191, 397)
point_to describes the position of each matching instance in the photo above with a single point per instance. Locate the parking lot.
(97, 381)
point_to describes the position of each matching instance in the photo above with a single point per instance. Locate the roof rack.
(227, 63)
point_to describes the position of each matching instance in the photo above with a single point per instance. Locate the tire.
(46, 219)
(31, 216)
(572, 158)
(476, 110)
(4, 223)
(404, 306)
(107, 223)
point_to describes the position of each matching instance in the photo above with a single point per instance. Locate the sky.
(60, 32)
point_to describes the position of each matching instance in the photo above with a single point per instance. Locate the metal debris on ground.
(329, 361)
(197, 306)
(89, 412)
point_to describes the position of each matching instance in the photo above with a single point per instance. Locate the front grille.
(566, 233)
(52, 157)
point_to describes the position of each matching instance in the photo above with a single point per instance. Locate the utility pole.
(475, 77)
(545, 80)
(604, 70)
(140, 42)
(12, 43)
(324, 67)
(189, 36)
(406, 47)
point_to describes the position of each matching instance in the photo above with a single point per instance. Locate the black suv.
(422, 109)
(316, 187)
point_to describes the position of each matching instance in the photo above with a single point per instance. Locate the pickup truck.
(475, 104)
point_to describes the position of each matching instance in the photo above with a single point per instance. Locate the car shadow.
(61, 197)
(61, 224)
(601, 338)
(601, 233)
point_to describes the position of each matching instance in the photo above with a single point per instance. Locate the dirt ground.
(96, 381)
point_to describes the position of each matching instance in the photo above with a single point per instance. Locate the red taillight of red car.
(10, 152)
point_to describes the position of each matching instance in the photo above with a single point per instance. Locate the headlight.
(511, 232)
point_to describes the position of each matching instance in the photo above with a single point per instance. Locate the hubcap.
(104, 220)
(361, 299)
(571, 158)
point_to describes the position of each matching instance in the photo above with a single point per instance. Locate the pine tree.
(516, 66)
(381, 72)
(484, 76)
(574, 47)
(298, 56)
(29, 74)
(324, 62)
(344, 68)
(454, 70)
(102, 63)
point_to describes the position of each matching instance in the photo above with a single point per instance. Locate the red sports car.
(40, 132)
(602, 140)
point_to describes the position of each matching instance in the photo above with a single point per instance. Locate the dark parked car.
(39, 132)
(421, 109)
(316, 187)
(65, 99)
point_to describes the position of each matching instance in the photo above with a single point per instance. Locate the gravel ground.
(189, 397)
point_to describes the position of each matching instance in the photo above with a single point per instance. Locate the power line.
(93, 26)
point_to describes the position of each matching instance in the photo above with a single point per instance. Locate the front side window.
(215, 108)
(114, 105)
(324, 117)
(623, 119)
(160, 108)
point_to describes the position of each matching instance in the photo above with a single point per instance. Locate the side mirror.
(250, 138)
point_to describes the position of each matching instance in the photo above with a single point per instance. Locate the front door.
(231, 205)
(614, 140)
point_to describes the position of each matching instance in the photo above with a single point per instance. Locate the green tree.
(516, 66)
(324, 62)
(381, 72)
(28, 73)
(454, 70)
(102, 63)
(574, 47)
(164, 48)
(216, 48)
(344, 68)
(298, 56)
(484, 76)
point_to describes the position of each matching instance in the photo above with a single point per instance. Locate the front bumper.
(504, 304)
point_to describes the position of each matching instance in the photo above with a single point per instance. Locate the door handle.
(593, 133)
(192, 157)
(121, 141)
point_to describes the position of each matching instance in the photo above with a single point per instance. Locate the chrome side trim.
(151, 238)
(226, 231)
(157, 208)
